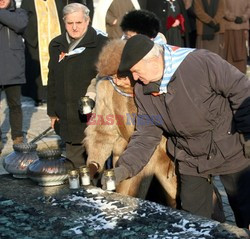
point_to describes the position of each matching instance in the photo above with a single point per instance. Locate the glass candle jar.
(84, 175)
(110, 179)
(73, 176)
(85, 107)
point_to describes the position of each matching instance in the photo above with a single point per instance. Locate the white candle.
(85, 180)
(110, 185)
(86, 109)
(73, 183)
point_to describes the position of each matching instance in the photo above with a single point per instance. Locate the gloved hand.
(121, 173)
(86, 105)
(245, 139)
(93, 169)
(238, 20)
(212, 24)
(217, 27)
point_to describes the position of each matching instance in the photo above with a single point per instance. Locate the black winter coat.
(68, 81)
(12, 61)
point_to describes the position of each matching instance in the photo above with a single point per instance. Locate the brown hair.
(110, 57)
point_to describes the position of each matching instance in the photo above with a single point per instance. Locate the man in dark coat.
(35, 88)
(12, 63)
(72, 66)
(204, 106)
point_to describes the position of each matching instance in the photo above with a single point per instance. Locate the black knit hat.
(135, 49)
(142, 22)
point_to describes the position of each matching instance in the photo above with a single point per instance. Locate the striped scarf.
(173, 57)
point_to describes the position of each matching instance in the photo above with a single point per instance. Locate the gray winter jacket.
(205, 108)
(12, 62)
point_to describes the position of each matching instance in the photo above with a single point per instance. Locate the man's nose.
(74, 26)
(135, 76)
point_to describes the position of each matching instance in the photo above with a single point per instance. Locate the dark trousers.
(76, 154)
(196, 195)
(13, 97)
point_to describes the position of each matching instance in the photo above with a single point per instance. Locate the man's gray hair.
(76, 7)
(157, 50)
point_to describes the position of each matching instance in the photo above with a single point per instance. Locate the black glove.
(217, 27)
(212, 24)
(245, 139)
(121, 173)
(238, 20)
(86, 105)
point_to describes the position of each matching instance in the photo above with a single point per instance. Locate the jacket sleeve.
(246, 14)
(220, 12)
(91, 90)
(142, 143)
(230, 15)
(111, 16)
(228, 81)
(100, 137)
(200, 12)
(204, 17)
(16, 20)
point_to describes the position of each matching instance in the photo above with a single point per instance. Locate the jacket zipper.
(210, 146)
(8, 34)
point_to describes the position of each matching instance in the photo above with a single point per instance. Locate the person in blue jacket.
(12, 63)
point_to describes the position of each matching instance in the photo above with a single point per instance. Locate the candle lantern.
(50, 169)
(73, 176)
(85, 105)
(110, 179)
(84, 175)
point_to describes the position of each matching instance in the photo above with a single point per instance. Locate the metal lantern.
(50, 169)
(17, 162)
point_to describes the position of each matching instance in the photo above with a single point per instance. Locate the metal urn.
(51, 169)
(17, 162)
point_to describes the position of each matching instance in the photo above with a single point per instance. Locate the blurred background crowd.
(221, 26)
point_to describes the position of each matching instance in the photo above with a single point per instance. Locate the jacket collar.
(89, 40)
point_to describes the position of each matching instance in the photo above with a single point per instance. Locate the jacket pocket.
(230, 145)
(16, 42)
(13, 67)
(213, 160)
